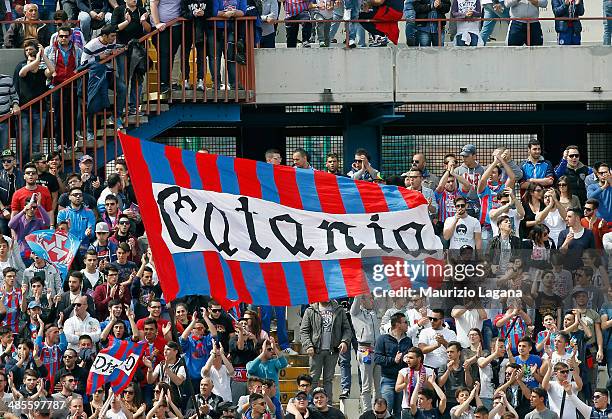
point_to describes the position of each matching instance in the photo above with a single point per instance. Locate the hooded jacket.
(311, 328)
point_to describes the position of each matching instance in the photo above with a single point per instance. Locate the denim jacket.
(560, 9)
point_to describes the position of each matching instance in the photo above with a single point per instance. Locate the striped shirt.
(51, 356)
(8, 95)
(12, 301)
(512, 331)
(446, 203)
(93, 49)
(295, 7)
(488, 201)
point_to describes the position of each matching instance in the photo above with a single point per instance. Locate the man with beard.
(462, 229)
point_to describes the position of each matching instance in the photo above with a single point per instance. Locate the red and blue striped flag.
(115, 365)
(248, 231)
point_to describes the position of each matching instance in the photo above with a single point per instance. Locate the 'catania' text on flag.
(115, 364)
(56, 247)
(242, 230)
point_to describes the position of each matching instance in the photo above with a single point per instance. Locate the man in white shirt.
(81, 324)
(555, 390)
(433, 340)
(462, 229)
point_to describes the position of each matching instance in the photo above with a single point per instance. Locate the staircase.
(299, 364)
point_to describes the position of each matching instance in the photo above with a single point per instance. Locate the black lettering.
(254, 247)
(343, 229)
(178, 205)
(299, 240)
(417, 232)
(225, 244)
(378, 233)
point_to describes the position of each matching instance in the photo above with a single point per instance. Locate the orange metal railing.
(63, 107)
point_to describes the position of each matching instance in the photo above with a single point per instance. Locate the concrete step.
(291, 373)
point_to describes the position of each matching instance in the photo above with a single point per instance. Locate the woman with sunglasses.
(96, 402)
(567, 199)
(533, 203)
(132, 400)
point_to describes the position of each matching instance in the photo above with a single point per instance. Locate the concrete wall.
(333, 75)
(9, 60)
(488, 74)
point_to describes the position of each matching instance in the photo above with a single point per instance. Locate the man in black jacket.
(11, 179)
(427, 32)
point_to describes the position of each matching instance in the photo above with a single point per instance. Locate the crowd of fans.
(535, 227)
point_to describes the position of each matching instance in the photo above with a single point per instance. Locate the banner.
(56, 247)
(115, 364)
(248, 231)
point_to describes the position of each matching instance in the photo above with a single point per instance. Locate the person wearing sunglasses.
(462, 229)
(362, 169)
(70, 366)
(574, 172)
(379, 411)
(223, 323)
(11, 179)
(602, 192)
(592, 222)
(67, 391)
(601, 408)
(81, 323)
(563, 373)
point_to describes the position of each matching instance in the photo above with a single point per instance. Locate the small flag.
(56, 247)
(115, 364)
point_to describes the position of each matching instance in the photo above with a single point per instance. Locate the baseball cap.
(39, 156)
(318, 390)
(8, 153)
(301, 393)
(85, 157)
(33, 304)
(468, 150)
(102, 227)
(578, 290)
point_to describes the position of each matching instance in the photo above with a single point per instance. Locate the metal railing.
(443, 23)
(62, 110)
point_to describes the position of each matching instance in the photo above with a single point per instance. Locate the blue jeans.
(281, 323)
(359, 31)
(46, 12)
(607, 12)
(517, 34)
(609, 356)
(489, 25)
(394, 399)
(37, 121)
(353, 6)
(121, 84)
(86, 26)
(4, 133)
(428, 39)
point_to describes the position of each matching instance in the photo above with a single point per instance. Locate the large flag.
(248, 231)
(115, 364)
(56, 247)
(386, 18)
